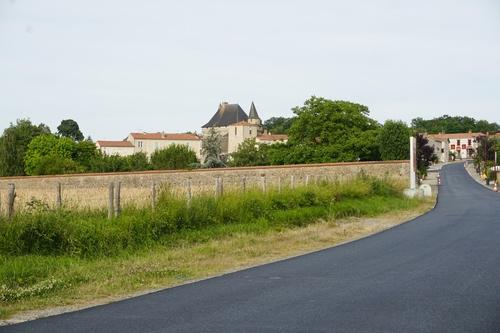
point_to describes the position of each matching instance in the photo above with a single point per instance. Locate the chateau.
(230, 121)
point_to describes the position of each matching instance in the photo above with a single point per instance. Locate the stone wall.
(90, 190)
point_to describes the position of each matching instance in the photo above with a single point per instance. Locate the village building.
(148, 143)
(121, 148)
(230, 121)
(461, 145)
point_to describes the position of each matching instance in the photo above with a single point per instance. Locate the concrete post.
(263, 183)
(413, 163)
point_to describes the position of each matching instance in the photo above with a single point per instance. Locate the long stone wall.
(90, 190)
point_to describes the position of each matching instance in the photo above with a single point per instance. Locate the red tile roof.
(166, 136)
(273, 137)
(444, 136)
(120, 144)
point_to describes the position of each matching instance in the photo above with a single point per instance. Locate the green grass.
(47, 255)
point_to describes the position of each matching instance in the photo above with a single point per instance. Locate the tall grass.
(89, 234)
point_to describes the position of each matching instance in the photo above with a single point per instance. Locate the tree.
(137, 162)
(249, 153)
(425, 155)
(211, 148)
(453, 124)
(278, 125)
(13, 145)
(330, 131)
(70, 129)
(321, 121)
(394, 141)
(173, 157)
(47, 148)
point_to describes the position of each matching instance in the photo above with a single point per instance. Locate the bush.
(173, 157)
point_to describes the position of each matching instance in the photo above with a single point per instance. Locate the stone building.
(235, 126)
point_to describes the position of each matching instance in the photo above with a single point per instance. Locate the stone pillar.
(413, 163)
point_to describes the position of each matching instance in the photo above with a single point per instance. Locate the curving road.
(438, 273)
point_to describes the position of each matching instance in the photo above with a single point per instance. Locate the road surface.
(438, 273)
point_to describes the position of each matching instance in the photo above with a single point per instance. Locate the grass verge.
(216, 237)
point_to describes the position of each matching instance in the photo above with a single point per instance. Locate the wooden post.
(279, 183)
(292, 181)
(111, 192)
(263, 183)
(58, 196)
(117, 198)
(219, 187)
(307, 180)
(189, 193)
(11, 196)
(243, 184)
(153, 196)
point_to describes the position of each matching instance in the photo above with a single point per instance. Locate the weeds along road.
(438, 273)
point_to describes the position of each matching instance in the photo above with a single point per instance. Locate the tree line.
(29, 149)
(321, 130)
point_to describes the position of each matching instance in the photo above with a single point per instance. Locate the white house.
(150, 142)
(463, 145)
(122, 148)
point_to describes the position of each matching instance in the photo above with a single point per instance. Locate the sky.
(119, 66)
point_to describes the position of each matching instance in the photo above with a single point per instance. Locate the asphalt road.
(438, 273)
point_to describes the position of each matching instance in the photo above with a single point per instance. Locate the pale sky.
(122, 66)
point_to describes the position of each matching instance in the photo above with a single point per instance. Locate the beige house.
(272, 138)
(441, 148)
(121, 148)
(148, 143)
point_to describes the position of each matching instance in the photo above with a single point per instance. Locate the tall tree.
(453, 124)
(278, 125)
(249, 153)
(331, 131)
(50, 154)
(425, 155)
(13, 145)
(211, 149)
(69, 128)
(394, 141)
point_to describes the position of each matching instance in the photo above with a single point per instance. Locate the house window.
(250, 132)
(470, 142)
(458, 142)
(453, 147)
(464, 146)
(139, 144)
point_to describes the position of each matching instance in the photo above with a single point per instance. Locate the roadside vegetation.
(50, 257)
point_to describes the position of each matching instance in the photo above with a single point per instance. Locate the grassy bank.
(57, 258)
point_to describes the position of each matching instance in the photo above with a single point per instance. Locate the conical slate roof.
(253, 112)
(226, 115)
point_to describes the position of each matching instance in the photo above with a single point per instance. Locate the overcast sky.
(118, 66)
